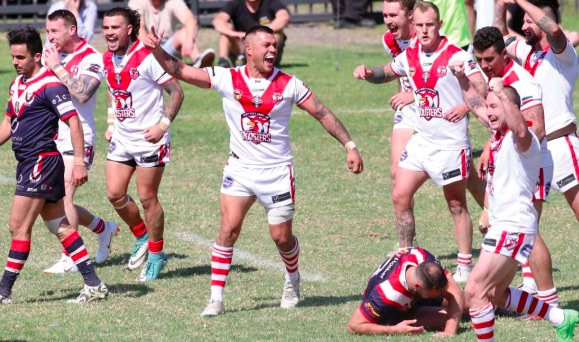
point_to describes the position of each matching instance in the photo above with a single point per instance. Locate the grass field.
(344, 222)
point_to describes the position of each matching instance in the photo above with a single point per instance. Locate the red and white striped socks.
(483, 322)
(523, 302)
(290, 259)
(220, 266)
(464, 260)
(97, 225)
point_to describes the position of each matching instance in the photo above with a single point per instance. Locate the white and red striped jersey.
(436, 90)
(136, 81)
(387, 294)
(556, 74)
(526, 86)
(394, 47)
(83, 61)
(511, 185)
(257, 111)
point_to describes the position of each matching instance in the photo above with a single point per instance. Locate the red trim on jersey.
(573, 155)
(68, 116)
(370, 319)
(136, 57)
(392, 44)
(527, 64)
(413, 55)
(395, 73)
(277, 85)
(509, 76)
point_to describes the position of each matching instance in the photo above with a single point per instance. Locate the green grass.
(344, 222)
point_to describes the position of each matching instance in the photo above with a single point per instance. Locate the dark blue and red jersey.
(387, 297)
(34, 107)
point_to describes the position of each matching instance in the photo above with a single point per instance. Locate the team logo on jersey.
(22, 87)
(368, 306)
(255, 127)
(277, 97)
(256, 100)
(123, 105)
(429, 103)
(74, 70)
(425, 76)
(29, 97)
(411, 71)
(16, 108)
(471, 64)
(237, 94)
(441, 71)
(14, 124)
(134, 73)
(118, 78)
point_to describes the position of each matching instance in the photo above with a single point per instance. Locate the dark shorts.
(41, 177)
(434, 302)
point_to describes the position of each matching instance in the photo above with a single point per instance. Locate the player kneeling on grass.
(516, 159)
(257, 100)
(409, 293)
(37, 101)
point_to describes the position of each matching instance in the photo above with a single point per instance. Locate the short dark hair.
(133, 18)
(26, 35)
(66, 16)
(488, 36)
(259, 28)
(513, 95)
(431, 275)
(407, 5)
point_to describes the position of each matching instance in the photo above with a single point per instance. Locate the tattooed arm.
(474, 91)
(172, 105)
(555, 35)
(335, 127)
(173, 66)
(82, 88)
(376, 75)
(500, 19)
(537, 117)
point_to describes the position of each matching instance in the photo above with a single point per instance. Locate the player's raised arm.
(335, 127)
(192, 75)
(471, 92)
(555, 35)
(376, 75)
(514, 119)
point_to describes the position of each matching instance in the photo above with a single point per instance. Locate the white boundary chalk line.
(251, 258)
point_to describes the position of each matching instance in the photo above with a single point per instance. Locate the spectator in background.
(166, 15)
(455, 23)
(86, 14)
(237, 17)
(352, 13)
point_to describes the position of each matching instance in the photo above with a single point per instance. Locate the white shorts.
(405, 117)
(442, 166)
(517, 246)
(543, 183)
(273, 187)
(143, 155)
(565, 152)
(88, 155)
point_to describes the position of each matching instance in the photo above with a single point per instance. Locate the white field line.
(4, 179)
(253, 259)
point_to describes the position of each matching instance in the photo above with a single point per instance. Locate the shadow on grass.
(204, 270)
(453, 256)
(476, 153)
(123, 259)
(126, 290)
(313, 301)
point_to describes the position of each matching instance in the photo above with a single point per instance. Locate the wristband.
(163, 129)
(350, 145)
(166, 121)
(80, 164)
